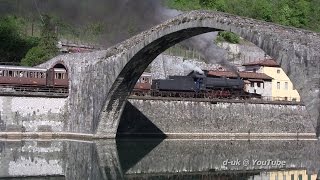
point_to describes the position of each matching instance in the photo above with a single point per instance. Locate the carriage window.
(21, 74)
(58, 76)
(10, 73)
(1, 73)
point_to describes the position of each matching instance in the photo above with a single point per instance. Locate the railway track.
(215, 101)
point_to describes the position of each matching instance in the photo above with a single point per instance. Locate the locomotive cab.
(199, 80)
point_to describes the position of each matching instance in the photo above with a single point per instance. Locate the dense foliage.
(297, 13)
(229, 37)
(14, 44)
(47, 47)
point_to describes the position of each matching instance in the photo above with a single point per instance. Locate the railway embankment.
(173, 118)
(41, 117)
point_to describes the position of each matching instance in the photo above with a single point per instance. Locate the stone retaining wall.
(184, 118)
(31, 114)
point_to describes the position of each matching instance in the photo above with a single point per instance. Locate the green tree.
(228, 36)
(297, 13)
(47, 47)
(184, 5)
(262, 9)
(14, 44)
(219, 5)
(314, 15)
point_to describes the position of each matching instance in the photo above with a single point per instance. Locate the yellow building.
(282, 87)
(292, 174)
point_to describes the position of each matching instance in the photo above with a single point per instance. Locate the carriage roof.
(22, 68)
(25, 68)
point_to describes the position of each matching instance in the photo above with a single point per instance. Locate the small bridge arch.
(60, 64)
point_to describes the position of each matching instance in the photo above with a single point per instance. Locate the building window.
(300, 177)
(278, 71)
(292, 176)
(252, 84)
(258, 84)
(278, 85)
(284, 177)
(286, 85)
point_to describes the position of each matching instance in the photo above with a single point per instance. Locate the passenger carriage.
(29, 78)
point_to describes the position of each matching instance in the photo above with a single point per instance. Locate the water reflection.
(159, 159)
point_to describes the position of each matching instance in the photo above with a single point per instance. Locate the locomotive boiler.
(197, 85)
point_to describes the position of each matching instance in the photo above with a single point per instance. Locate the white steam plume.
(191, 67)
(203, 43)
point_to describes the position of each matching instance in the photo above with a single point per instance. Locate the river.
(160, 159)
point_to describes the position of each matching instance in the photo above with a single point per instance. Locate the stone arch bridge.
(100, 81)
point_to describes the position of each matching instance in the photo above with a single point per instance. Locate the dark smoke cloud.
(121, 19)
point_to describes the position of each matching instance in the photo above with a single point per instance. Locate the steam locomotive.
(195, 85)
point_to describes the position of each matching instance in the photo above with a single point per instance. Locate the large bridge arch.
(296, 50)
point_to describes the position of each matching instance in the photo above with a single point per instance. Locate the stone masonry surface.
(187, 117)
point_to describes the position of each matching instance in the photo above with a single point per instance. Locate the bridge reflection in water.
(160, 159)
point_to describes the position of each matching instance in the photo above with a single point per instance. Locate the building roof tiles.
(264, 62)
